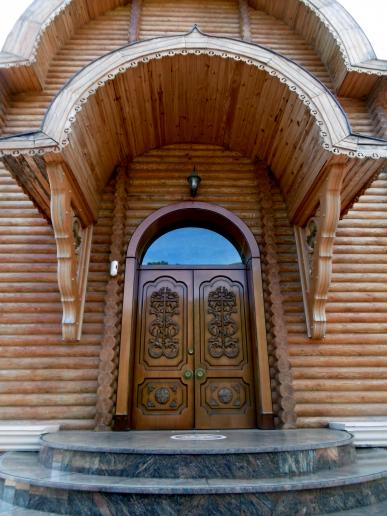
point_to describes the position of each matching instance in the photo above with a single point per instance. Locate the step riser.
(230, 465)
(284, 503)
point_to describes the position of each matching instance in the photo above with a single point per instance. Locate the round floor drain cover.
(198, 437)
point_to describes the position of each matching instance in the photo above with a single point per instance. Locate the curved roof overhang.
(22, 47)
(312, 129)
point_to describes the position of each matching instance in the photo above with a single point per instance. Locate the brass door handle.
(188, 374)
(200, 373)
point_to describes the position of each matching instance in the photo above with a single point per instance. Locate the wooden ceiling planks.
(163, 103)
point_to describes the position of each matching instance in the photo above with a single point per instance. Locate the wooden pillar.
(107, 374)
(125, 380)
(263, 386)
(276, 317)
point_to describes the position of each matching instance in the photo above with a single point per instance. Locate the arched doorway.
(193, 344)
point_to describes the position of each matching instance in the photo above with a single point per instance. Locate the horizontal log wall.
(40, 376)
(162, 18)
(344, 375)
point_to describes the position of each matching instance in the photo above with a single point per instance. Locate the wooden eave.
(356, 68)
(38, 35)
(308, 132)
(341, 43)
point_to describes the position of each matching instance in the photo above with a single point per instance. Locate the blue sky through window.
(191, 246)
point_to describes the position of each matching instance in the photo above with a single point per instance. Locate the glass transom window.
(191, 246)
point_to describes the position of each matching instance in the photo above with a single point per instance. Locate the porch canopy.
(200, 89)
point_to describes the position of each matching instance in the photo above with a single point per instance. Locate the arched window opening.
(191, 246)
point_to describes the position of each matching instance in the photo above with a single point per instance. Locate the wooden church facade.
(106, 108)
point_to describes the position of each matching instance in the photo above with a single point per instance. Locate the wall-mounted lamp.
(194, 181)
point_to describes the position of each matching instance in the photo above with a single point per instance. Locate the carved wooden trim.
(330, 205)
(284, 377)
(244, 18)
(135, 16)
(72, 268)
(107, 374)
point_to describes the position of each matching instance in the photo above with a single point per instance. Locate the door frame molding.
(229, 225)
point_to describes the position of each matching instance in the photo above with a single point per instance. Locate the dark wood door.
(223, 381)
(193, 358)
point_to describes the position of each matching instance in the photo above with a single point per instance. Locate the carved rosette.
(222, 328)
(281, 373)
(107, 375)
(164, 305)
(225, 396)
(162, 396)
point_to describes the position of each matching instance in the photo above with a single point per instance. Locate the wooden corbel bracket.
(330, 207)
(73, 233)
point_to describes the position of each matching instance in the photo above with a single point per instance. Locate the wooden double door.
(193, 363)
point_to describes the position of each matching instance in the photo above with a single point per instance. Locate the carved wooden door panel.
(193, 355)
(224, 385)
(163, 387)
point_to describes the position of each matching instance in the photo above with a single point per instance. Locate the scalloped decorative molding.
(335, 27)
(344, 23)
(333, 124)
(20, 60)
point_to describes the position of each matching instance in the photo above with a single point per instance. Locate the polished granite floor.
(198, 442)
(131, 474)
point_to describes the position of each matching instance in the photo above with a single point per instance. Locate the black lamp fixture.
(194, 181)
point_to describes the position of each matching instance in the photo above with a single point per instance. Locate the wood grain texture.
(34, 361)
(350, 360)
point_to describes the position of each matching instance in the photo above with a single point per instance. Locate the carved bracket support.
(320, 280)
(73, 250)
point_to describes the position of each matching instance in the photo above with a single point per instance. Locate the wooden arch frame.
(214, 217)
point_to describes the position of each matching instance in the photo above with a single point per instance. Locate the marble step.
(217, 454)
(29, 484)
(7, 509)
(378, 509)
(23, 435)
(366, 433)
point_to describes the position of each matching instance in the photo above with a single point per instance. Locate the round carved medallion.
(162, 395)
(225, 395)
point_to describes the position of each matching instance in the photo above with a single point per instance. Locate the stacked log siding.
(40, 376)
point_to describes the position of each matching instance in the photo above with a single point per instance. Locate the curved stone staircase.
(252, 472)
